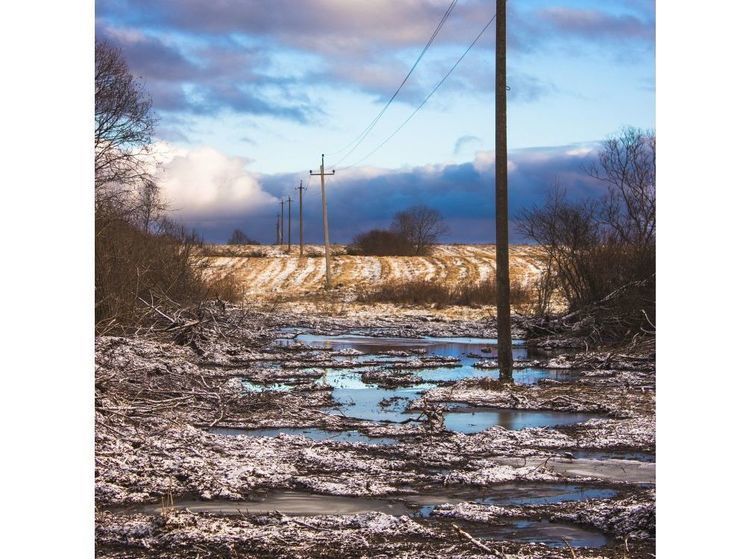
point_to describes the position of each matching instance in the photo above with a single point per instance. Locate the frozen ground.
(381, 470)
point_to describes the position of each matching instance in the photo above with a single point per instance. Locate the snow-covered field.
(266, 271)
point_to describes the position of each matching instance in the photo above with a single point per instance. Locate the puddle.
(469, 419)
(513, 494)
(360, 400)
(553, 534)
(638, 456)
(312, 433)
(307, 504)
(520, 376)
(538, 494)
(367, 401)
(290, 503)
(444, 347)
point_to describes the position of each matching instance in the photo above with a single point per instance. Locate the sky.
(250, 93)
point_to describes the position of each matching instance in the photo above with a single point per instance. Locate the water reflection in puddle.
(469, 419)
(538, 494)
(520, 376)
(444, 347)
(360, 400)
(552, 534)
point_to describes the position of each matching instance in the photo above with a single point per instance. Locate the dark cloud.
(363, 46)
(209, 80)
(595, 25)
(579, 32)
(463, 193)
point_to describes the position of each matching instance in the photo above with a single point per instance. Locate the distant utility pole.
(282, 220)
(504, 341)
(278, 229)
(323, 174)
(300, 190)
(289, 216)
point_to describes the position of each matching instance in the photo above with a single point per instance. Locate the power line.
(370, 126)
(437, 86)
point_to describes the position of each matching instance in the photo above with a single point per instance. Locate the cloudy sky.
(249, 93)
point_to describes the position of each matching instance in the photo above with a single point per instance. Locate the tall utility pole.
(282, 220)
(278, 229)
(289, 215)
(300, 190)
(323, 174)
(504, 341)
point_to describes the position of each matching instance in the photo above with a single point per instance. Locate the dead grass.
(467, 294)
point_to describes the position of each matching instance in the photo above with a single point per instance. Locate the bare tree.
(123, 128)
(149, 204)
(569, 232)
(626, 163)
(421, 226)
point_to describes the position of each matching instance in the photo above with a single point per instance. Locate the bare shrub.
(596, 248)
(413, 232)
(465, 294)
(225, 287)
(379, 242)
(416, 292)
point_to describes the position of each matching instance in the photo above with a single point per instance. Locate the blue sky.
(250, 93)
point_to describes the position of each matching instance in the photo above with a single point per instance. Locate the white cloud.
(203, 181)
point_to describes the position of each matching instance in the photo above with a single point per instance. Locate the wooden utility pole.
(327, 257)
(289, 215)
(504, 341)
(282, 220)
(300, 190)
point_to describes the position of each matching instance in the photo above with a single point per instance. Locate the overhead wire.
(432, 92)
(358, 140)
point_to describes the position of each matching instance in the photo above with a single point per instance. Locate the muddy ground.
(180, 473)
